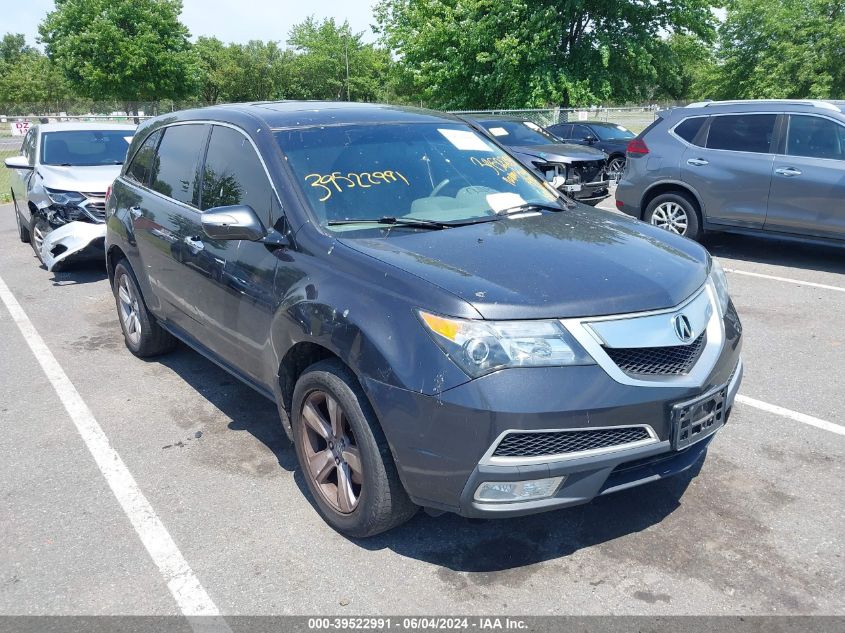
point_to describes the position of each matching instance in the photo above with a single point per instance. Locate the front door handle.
(195, 243)
(697, 162)
(135, 212)
(788, 171)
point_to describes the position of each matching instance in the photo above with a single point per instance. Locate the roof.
(496, 117)
(70, 126)
(816, 103)
(282, 114)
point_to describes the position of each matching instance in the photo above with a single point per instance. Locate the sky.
(228, 20)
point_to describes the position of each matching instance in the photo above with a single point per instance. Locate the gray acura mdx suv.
(438, 326)
(767, 167)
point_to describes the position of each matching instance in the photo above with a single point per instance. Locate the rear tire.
(23, 232)
(344, 457)
(675, 212)
(141, 332)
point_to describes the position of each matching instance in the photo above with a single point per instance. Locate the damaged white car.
(59, 185)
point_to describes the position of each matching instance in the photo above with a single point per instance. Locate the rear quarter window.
(688, 129)
(140, 168)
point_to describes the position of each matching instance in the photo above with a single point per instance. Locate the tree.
(323, 50)
(129, 50)
(28, 80)
(782, 49)
(524, 53)
(686, 70)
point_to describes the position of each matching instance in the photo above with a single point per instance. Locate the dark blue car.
(611, 138)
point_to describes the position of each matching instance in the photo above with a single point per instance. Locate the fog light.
(504, 491)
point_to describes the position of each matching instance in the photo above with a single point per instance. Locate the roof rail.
(818, 103)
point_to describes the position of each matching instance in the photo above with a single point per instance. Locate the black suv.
(437, 325)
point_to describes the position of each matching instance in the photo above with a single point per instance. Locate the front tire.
(615, 167)
(674, 212)
(343, 454)
(141, 332)
(39, 227)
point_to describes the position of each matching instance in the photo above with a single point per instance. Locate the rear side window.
(688, 129)
(815, 137)
(563, 131)
(742, 132)
(233, 173)
(581, 132)
(174, 172)
(141, 166)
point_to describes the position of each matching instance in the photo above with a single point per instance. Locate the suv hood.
(582, 262)
(93, 179)
(561, 152)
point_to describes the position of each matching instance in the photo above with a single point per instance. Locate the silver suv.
(774, 167)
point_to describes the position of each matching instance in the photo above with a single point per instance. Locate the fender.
(680, 184)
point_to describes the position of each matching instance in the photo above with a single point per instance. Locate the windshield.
(85, 148)
(613, 132)
(434, 172)
(514, 133)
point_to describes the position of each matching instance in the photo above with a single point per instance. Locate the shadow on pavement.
(83, 272)
(819, 257)
(449, 541)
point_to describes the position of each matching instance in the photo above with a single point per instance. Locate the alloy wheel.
(615, 168)
(333, 461)
(670, 216)
(129, 310)
(39, 232)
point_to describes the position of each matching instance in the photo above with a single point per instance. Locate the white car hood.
(93, 179)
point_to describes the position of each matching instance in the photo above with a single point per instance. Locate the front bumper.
(442, 444)
(73, 241)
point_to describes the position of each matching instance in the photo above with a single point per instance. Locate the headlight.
(720, 284)
(479, 347)
(65, 198)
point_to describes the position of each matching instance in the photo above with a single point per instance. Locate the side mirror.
(236, 222)
(590, 139)
(17, 162)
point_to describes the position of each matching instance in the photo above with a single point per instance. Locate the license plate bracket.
(698, 418)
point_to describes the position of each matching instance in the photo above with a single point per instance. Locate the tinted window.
(580, 132)
(562, 130)
(815, 137)
(514, 133)
(142, 164)
(174, 173)
(233, 174)
(613, 132)
(689, 128)
(85, 147)
(742, 132)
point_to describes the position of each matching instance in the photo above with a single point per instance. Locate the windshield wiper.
(529, 206)
(392, 221)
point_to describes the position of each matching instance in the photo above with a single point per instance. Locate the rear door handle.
(788, 171)
(697, 162)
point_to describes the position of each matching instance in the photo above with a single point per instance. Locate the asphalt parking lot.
(757, 531)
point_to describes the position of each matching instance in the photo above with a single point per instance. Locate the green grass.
(5, 176)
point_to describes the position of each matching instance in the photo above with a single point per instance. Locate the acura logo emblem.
(683, 328)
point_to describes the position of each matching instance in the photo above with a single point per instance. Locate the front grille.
(561, 442)
(673, 360)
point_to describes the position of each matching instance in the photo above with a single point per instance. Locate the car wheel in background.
(38, 229)
(143, 335)
(674, 212)
(343, 454)
(615, 167)
(23, 232)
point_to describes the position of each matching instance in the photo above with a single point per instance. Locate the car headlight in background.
(479, 347)
(720, 284)
(65, 198)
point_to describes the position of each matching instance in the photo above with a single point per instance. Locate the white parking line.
(786, 279)
(792, 415)
(181, 581)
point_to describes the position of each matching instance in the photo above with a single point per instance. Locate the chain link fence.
(635, 119)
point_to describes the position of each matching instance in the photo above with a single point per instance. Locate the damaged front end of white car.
(69, 226)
